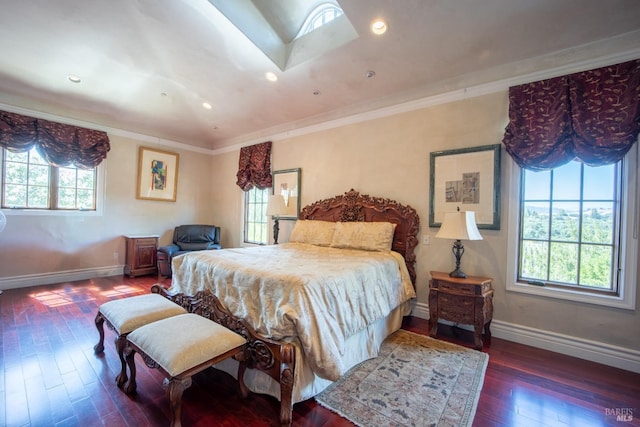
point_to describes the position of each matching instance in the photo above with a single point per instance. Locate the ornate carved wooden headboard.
(353, 206)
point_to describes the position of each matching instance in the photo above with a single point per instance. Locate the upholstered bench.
(180, 347)
(125, 315)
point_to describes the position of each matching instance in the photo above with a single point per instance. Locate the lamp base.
(276, 229)
(458, 273)
(457, 250)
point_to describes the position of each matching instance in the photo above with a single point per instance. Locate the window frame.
(245, 211)
(628, 238)
(100, 189)
(319, 12)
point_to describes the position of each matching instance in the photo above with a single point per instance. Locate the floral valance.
(254, 168)
(593, 116)
(59, 144)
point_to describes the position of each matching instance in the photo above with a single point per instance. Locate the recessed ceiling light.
(207, 105)
(73, 78)
(378, 27)
(370, 74)
(271, 76)
(316, 92)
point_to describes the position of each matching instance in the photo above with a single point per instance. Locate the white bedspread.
(320, 295)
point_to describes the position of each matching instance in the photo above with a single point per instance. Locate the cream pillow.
(318, 233)
(369, 236)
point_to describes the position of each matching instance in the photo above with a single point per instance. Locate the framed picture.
(157, 175)
(287, 183)
(467, 179)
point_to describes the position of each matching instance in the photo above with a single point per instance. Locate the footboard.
(274, 358)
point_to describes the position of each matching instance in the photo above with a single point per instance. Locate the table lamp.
(275, 209)
(459, 226)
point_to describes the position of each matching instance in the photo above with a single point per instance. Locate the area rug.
(415, 381)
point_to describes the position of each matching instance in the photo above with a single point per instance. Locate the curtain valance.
(593, 116)
(254, 169)
(59, 144)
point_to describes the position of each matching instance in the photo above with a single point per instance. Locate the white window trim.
(100, 200)
(628, 247)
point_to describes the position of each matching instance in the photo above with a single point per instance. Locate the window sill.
(47, 212)
(573, 295)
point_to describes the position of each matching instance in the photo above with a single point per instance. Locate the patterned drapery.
(59, 144)
(593, 116)
(254, 169)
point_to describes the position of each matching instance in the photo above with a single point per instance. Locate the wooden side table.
(468, 301)
(141, 255)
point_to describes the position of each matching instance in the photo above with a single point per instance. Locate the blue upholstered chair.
(187, 238)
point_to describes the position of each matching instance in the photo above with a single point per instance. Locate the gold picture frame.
(157, 175)
(466, 179)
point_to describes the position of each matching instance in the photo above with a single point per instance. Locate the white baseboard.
(59, 277)
(618, 357)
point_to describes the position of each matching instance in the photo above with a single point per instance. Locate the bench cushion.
(130, 313)
(185, 341)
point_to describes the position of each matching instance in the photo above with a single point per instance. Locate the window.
(29, 182)
(255, 216)
(569, 217)
(574, 233)
(320, 16)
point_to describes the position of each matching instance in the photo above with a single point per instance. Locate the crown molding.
(443, 98)
(374, 114)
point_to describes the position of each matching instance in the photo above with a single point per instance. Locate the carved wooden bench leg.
(131, 386)
(175, 388)
(244, 390)
(99, 321)
(120, 344)
(287, 370)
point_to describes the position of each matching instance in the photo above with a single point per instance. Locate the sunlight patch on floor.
(71, 295)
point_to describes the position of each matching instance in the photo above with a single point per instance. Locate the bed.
(313, 307)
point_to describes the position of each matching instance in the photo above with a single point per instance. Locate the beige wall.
(386, 157)
(44, 244)
(389, 157)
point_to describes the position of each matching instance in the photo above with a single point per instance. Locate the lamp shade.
(276, 206)
(459, 226)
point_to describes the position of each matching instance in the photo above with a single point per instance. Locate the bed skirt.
(359, 347)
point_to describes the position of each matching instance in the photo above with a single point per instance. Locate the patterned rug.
(415, 381)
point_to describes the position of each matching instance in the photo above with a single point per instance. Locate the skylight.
(285, 32)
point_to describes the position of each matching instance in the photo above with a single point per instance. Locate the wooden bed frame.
(275, 358)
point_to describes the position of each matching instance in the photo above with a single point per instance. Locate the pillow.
(368, 236)
(318, 233)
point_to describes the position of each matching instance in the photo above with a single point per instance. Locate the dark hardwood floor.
(51, 377)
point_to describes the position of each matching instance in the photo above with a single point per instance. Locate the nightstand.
(141, 255)
(468, 301)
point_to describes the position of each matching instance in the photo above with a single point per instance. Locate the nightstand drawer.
(459, 288)
(455, 314)
(448, 300)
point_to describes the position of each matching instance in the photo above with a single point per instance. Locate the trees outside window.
(29, 182)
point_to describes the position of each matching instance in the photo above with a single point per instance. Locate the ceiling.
(148, 65)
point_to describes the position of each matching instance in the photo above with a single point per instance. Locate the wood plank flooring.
(51, 377)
